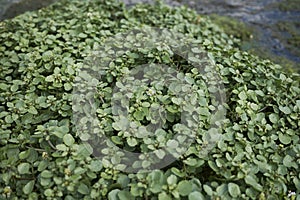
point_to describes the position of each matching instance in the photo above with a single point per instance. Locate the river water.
(260, 14)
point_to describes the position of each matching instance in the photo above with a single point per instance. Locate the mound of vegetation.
(43, 149)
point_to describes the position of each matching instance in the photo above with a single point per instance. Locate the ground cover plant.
(42, 154)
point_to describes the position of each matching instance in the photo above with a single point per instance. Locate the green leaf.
(222, 189)
(70, 70)
(82, 35)
(96, 166)
(113, 195)
(83, 189)
(298, 104)
(194, 59)
(286, 110)
(23, 168)
(32, 110)
(27, 189)
(189, 80)
(202, 101)
(14, 88)
(191, 161)
(138, 115)
(171, 109)
(8, 119)
(43, 165)
(125, 195)
(251, 181)
(234, 190)
(172, 180)
(282, 77)
(196, 196)
(184, 188)
(285, 138)
(123, 180)
(282, 170)
(254, 106)
(47, 55)
(164, 196)
(48, 193)
(49, 78)
(131, 142)
(46, 174)
(58, 133)
(160, 153)
(156, 179)
(297, 182)
(196, 50)
(4, 86)
(242, 95)
(238, 55)
(146, 104)
(68, 86)
(194, 71)
(172, 144)
(208, 190)
(116, 139)
(176, 101)
(121, 125)
(273, 118)
(24, 154)
(260, 93)
(61, 147)
(288, 161)
(79, 170)
(178, 172)
(68, 140)
(204, 111)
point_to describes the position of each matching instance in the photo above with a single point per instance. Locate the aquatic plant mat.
(99, 101)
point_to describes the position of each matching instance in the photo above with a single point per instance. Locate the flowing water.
(260, 14)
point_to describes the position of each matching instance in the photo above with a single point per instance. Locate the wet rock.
(10, 9)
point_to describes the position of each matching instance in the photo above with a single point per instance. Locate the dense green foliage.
(43, 157)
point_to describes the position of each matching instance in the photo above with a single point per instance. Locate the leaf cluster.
(42, 157)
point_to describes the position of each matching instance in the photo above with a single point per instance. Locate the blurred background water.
(276, 23)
